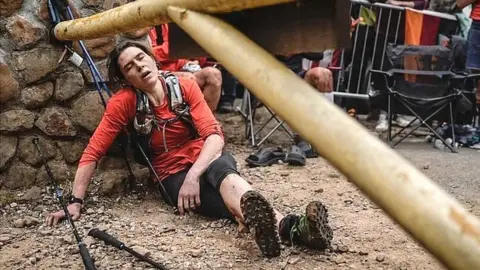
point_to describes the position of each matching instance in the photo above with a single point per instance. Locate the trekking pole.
(152, 171)
(112, 241)
(86, 258)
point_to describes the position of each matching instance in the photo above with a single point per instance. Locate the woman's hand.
(189, 195)
(54, 218)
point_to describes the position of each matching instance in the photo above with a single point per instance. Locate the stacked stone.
(39, 97)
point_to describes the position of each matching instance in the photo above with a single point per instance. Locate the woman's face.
(138, 68)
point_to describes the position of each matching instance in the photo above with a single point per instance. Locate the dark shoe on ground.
(266, 156)
(296, 156)
(307, 148)
(311, 230)
(260, 218)
(225, 107)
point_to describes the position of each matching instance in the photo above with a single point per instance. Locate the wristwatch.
(74, 199)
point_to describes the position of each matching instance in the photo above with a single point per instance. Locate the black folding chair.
(248, 110)
(418, 81)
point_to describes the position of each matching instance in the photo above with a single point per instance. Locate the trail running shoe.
(311, 230)
(260, 218)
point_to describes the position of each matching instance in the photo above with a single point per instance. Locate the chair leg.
(407, 126)
(282, 126)
(250, 118)
(389, 116)
(270, 133)
(424, 122)
(452, 125)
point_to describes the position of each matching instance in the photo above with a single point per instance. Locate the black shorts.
(212, 204)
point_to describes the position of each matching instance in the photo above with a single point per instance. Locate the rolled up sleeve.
(115, 118)
(202, 117)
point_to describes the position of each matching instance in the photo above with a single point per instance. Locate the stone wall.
(39, 97)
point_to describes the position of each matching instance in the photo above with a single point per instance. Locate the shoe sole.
(260, 217)
(321, 234)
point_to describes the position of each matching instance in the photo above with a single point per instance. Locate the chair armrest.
(440, 74)
(380, 72)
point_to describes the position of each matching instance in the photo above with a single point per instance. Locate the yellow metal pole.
(420, 206)
(143, 13)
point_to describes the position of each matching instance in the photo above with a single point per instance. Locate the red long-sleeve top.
(182, 149)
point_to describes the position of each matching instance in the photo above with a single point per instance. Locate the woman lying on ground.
(196, 173)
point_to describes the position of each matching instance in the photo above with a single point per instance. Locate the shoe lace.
(300, 226)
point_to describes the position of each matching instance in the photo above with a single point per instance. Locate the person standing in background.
(473, 40)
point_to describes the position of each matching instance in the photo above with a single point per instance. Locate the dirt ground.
(364, 237)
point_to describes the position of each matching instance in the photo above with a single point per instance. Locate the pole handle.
(107, 238)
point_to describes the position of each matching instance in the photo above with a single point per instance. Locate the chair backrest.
(419, 57)
(419, 71)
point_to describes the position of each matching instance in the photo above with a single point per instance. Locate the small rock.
(32, 260)
(343, 248)
(145, 252)
(339, 260)
(196, 253)
(293, 260)
(90, 211)
(32, 194)
(284, 174)
(363, 253)
(426, 166)
(380, 258)
(66, 240)
(45, 233)
(348, 201)
(320, 190)
(4, 239)
(189, 234)
(19, 223)
(13, 205)
(31, 221)
(334, 175)
(294, 252)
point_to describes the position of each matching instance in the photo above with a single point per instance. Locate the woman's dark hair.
(115, 75)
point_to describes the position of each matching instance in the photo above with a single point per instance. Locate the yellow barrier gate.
(418, 204)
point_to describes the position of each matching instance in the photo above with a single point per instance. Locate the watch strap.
(74, 199)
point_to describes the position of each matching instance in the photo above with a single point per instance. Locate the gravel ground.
(364, 237)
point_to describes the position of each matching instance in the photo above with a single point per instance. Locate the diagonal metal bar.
(419, 205)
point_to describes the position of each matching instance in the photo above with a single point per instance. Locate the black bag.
(446, 6)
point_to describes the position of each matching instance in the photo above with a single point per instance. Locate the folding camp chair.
(248, 110)
(418, 81)
(249, 107)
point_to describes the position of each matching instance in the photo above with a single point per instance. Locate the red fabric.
(183, 151)
(336, 57)
(421, 29)
(475, 14)
(162, 51)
